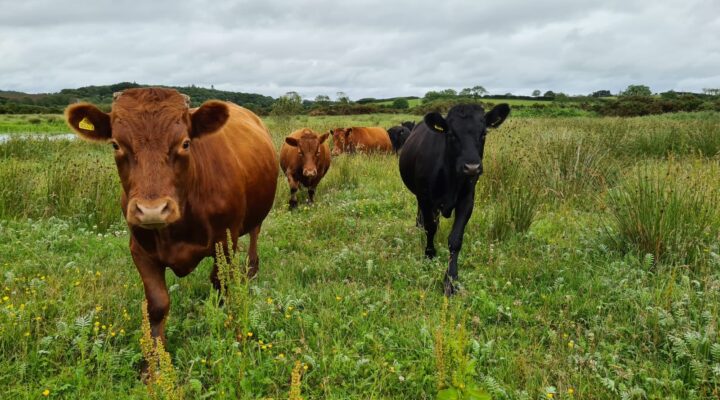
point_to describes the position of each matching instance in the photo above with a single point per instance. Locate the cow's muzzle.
(472, 169)
(152, 214)
(310, 172)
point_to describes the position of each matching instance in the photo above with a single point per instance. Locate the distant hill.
(12, 102)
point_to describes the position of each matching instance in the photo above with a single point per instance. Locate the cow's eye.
(115, 146)
(186, 144)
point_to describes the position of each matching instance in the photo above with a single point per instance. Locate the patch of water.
(4, 138)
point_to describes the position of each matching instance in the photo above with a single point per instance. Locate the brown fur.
(226, 179)
(361, 139)
(308, 151)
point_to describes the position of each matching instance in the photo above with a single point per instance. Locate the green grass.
(35, 123)
(343, 287)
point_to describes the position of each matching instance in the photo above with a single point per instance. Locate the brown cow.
(188, 175)
(362, 139)
(304, 158)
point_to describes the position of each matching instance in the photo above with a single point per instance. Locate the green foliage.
(401, 104)
(16, 103)
(287, 105)
(636, 91)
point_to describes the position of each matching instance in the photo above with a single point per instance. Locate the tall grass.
(668, 214)
(54, 178)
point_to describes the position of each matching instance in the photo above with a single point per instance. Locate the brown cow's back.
(236, 172)
(370, 139)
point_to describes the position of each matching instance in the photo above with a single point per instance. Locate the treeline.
(53, 103)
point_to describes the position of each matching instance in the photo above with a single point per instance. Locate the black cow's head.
(398, 135)
(464, 129)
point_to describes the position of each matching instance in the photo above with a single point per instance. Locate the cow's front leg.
(253, 258)
(463, 211)
(156, 293)
(430, 224)
(311, 194)
(294, 185)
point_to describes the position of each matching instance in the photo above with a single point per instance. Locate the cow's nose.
(471, 169)
(153, 214)
(310, 172)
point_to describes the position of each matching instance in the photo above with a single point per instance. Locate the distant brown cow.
(304, 158)
(188, 175)
(361, 139)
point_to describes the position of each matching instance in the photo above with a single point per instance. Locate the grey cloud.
(364, 48)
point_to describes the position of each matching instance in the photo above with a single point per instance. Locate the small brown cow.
(361, 139)
(304, 158)
(188, 176)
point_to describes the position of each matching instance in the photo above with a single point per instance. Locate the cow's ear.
(323, 138)
(88, 121)
(209, 118)
(291, 141)
(497, 115)
(436, 122)
(348, 131)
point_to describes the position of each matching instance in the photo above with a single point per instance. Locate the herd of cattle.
(191, 174)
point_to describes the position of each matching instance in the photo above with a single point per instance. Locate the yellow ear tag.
(86, 125)
(438, 128)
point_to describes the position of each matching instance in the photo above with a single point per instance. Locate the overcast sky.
(371, 48)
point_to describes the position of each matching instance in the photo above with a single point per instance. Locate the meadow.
(590, 270)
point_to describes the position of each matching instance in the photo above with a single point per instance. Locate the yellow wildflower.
(571, 391)
(46, 393)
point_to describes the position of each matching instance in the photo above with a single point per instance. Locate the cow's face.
(341, 142)
(309, 148)
(398, 135)
(151, 132)
(464, 129)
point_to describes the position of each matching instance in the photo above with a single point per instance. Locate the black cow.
(409, 124)
(441, 163)
(398, 136)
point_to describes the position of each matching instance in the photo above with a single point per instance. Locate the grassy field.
(11, 123)
(590, 270)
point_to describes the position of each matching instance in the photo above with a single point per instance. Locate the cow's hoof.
(430, 253)
(293, 205)
(449, 287)
(253, 268)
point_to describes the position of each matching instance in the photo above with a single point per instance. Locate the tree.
(288, 104)
(401, 104)
(342, 98)
(449, 93)
(467, 92)
(478, 91)
(711, 92)
(601, 93)
(549, 94)
(322, 99)
(536, 93)
(637, 91)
